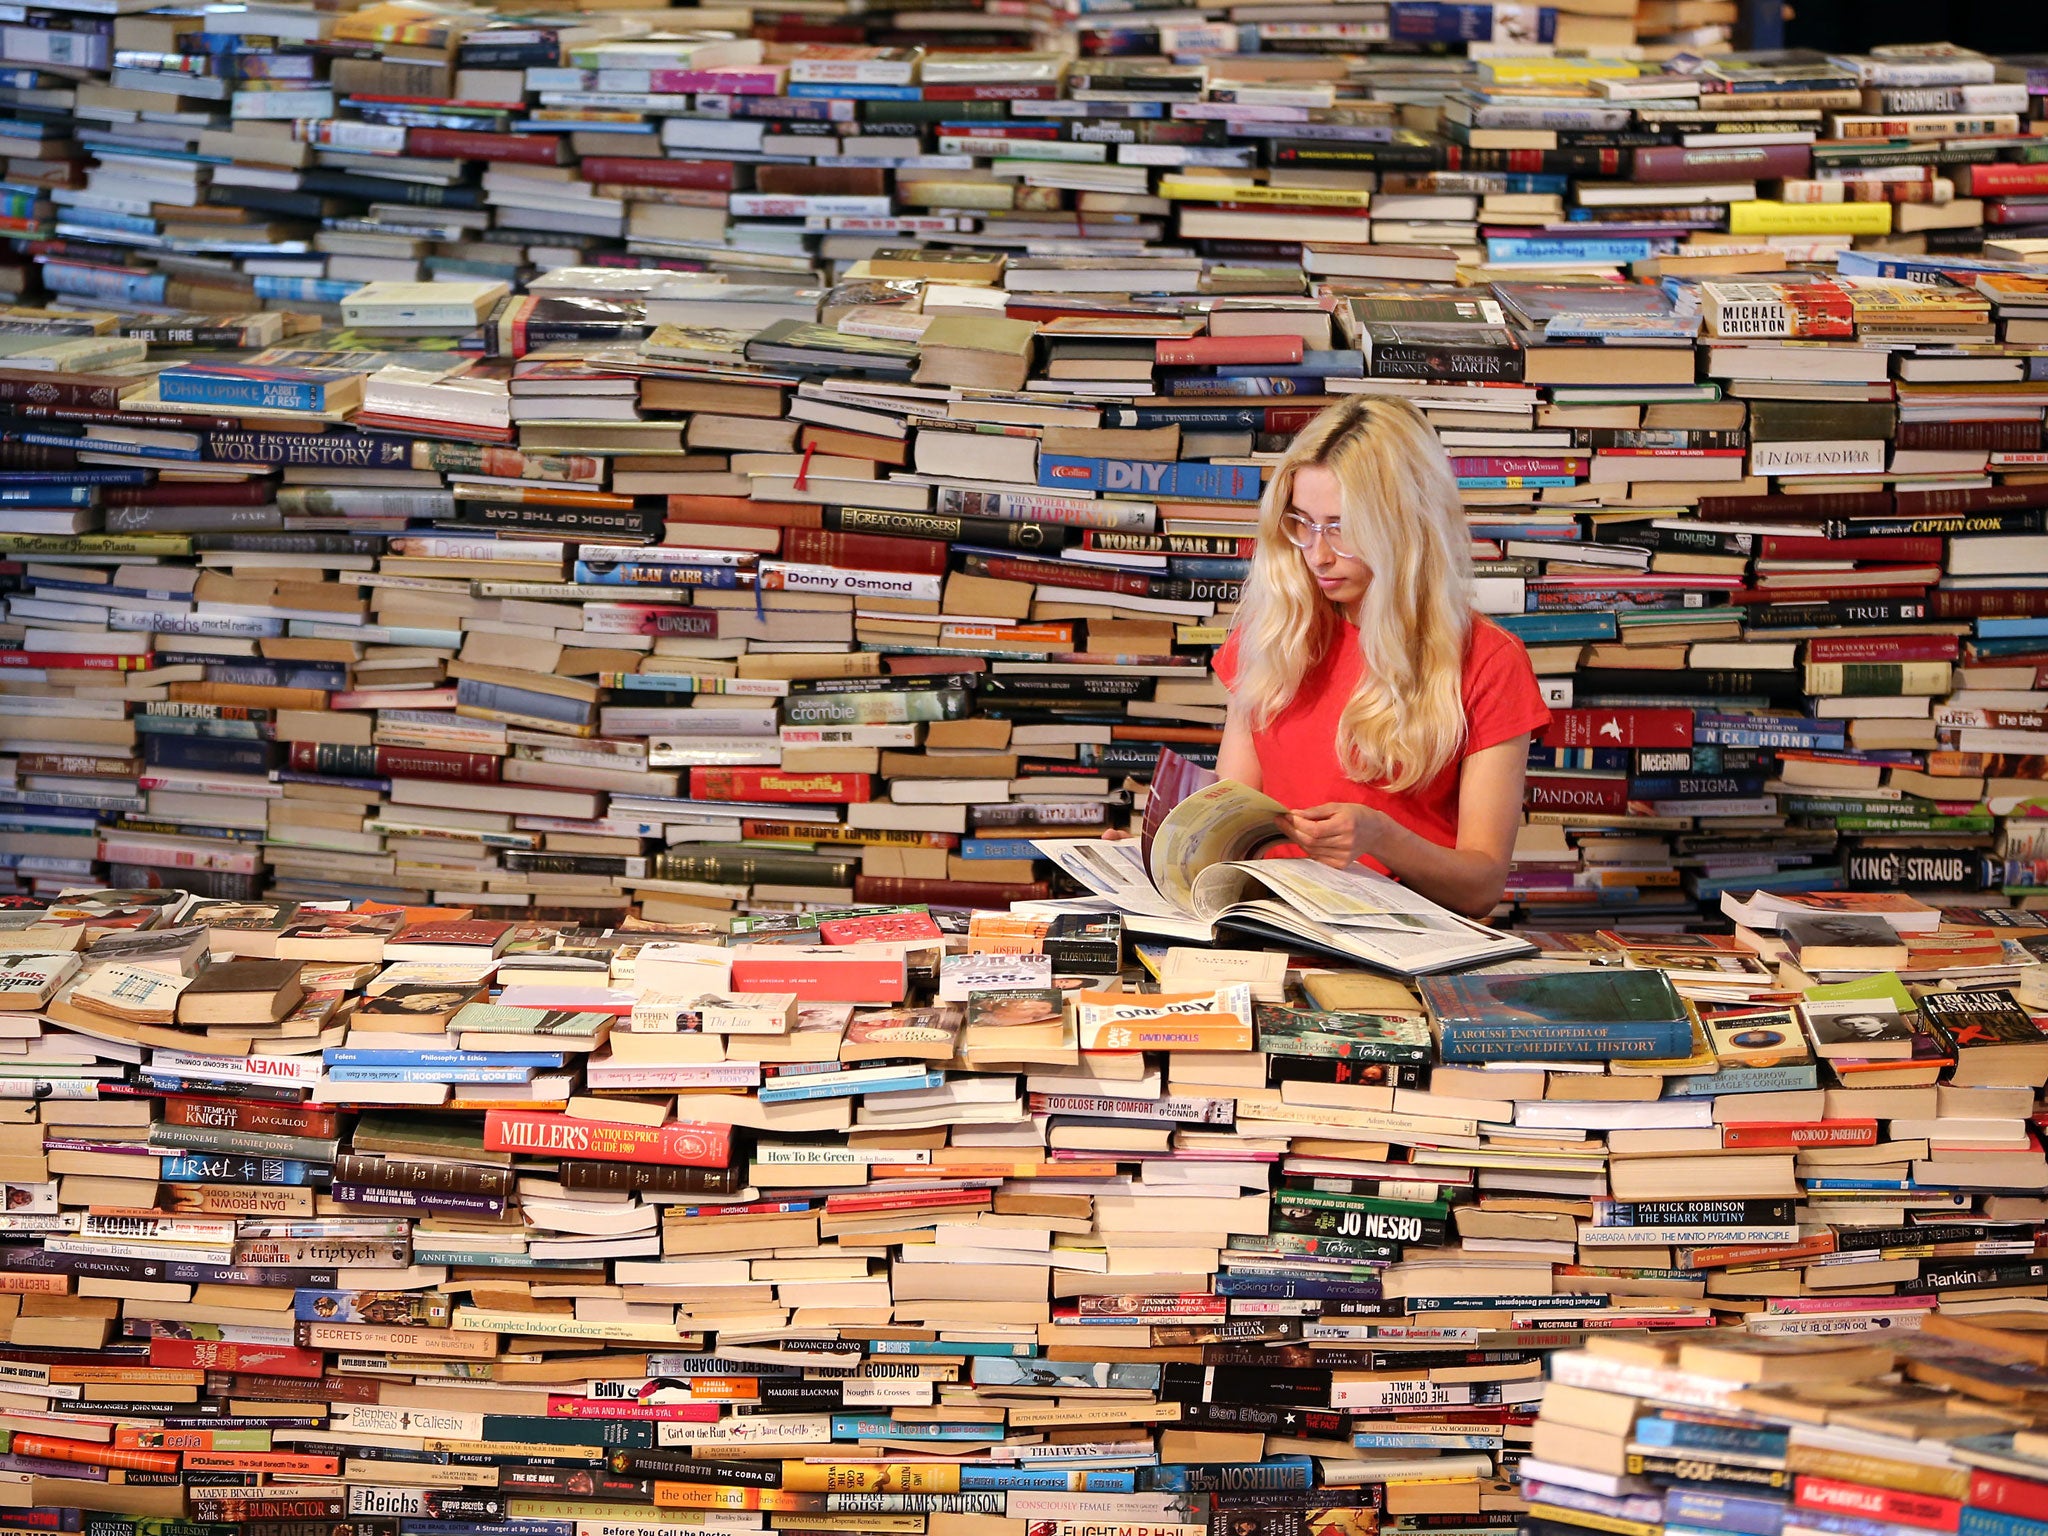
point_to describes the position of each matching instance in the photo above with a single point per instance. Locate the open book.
(1197, 870)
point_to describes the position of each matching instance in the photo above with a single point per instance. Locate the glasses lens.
(1301, 533)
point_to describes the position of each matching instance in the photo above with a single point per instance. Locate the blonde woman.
(1365, 695)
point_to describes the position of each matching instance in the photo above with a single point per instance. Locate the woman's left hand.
(1337, 834)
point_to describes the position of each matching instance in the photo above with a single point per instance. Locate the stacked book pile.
(1927, 1430)
(636, 465)
(419, 1220)
(341, 1216)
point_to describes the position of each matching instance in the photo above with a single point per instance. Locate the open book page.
(1353, 895)
(1402, 951)
(1115, 874)
(1218, 824)
(1351, 910)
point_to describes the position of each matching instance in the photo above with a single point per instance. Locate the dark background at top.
(1992, 26)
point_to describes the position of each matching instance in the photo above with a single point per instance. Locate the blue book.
(1685, 1433)
(1146, 477)
(1827, 877)
(829, 1090)
(1294, 1472)
(248, 388)
(231, 1168)
(943, 1347)
(1913, 269)
(841, 91)
(1630, 1014)
(2013, 646)
(1790, 1079)
(607, 574)
(1996, 1522)
(1208, 567)
(49, 496)
(1315, 363)
(1557, 627)
(1448, 21)
(864, 1426)
(1295, 1287)
(1749, 1514)
(319, 290)
(1533, 250)
(2027, 626)
(999, 848)
(139, 450)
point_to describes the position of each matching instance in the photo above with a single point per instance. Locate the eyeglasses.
(1302, 533)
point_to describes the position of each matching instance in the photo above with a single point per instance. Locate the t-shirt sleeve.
(1226, 660)
(1502, 697)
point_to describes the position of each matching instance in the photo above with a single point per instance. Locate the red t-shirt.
(1298, 762)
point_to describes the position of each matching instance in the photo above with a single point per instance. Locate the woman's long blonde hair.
(1402, 517)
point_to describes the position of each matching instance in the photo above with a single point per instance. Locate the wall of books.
(582, 588)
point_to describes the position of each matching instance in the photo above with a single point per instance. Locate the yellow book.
(1764, 217)
(869, 1477)
(1535, 67)
(1217, 189)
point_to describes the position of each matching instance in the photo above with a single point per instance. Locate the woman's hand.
(1337, 834)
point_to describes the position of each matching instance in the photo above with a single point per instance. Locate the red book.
(681, 1143)
(91, 391)
(251, 1115)
(1866, 1502)
(773, 786)
(255, 492)
(933, 666)
(652, 1413)
(1887, 648)
(2004, 178)
(1797, 509)
(1574, 465)
(880, 928)
(1745, 162)
(77, 660)
(1907, 551)
(639, 171)
(1619, 728)
(1758, 1253)
(817, 973)
(392, 762)
(1987, 603)
(1873, 592)
(2009, 1495)
(745, 513)
(1201, 351)
(1600, 794)
(1784, 1133)
(946, 893)
(460, 144)
(251, 1359)
(1990, 498)
(908, 1200)
(865, 551)
(1094, 578)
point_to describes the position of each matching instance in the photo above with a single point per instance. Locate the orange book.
(1220, 1020)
